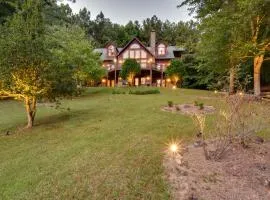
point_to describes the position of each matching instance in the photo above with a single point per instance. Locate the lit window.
(161, 49)
(111, 50)
(125, 55)
(143, 54)
(137, 54)
(132, 54)
(135, 46)
(143, 65)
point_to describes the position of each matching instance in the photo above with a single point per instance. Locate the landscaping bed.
(189, 109)
(243, 173)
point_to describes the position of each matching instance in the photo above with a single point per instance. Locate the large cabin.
(153, 60)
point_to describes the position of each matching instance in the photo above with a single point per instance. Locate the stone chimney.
(153, 42)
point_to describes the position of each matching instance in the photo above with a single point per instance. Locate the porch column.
(115, 68)
(151, 76)
(161, 85)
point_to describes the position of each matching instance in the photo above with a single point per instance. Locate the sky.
(122, 11)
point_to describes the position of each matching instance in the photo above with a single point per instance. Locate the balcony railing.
(143, 67)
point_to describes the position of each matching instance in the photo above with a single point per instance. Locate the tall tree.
(29, 71)
(75, 50)
(246, 24)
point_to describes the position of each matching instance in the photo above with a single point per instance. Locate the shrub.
(138, 92)
(201, 106)
(118, 92)
(238, 124)
(170, 103)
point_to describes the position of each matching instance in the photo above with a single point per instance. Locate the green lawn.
(106, 147)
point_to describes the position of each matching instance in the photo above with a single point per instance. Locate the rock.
(192, 197)
(198, 143)
(258, 140)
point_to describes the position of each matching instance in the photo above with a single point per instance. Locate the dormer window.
(161, 49)
(111, 50)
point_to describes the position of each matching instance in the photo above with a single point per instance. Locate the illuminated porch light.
(148, 78)
(115, 60)
(150, 60)
(168, 80)
(120, 61)
(103, 80)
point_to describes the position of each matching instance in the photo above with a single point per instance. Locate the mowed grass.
(106, 147)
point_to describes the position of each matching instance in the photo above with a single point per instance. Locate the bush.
(138, 92)
(170, 103)
(201, 106)
(238, 123)
(118, 92)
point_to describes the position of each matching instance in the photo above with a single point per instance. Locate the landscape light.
(174, 87)
(174, 148)
(241, 93)
(215, 91)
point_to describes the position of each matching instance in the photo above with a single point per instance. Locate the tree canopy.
(231, 33)
(130, 69)
(39, 61)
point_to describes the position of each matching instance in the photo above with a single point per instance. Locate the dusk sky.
(121, 11)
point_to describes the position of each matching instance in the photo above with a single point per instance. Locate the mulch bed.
(243, 174)
(188, 109)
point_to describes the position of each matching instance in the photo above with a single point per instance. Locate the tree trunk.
(232, 78)
(258, 60)
(30, 105)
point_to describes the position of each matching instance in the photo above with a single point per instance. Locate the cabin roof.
(169, 55)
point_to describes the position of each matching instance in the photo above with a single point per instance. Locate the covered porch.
(147, 77)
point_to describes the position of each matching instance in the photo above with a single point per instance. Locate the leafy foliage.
(130, 69)
(38, 61)
(175, 71)
(76, 51)
(144, 92)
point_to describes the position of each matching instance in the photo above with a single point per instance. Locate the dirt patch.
(243, 174)
(189, 109)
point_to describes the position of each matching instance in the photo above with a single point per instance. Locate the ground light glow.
(215, 91)
(174, 87)
(174, 147)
